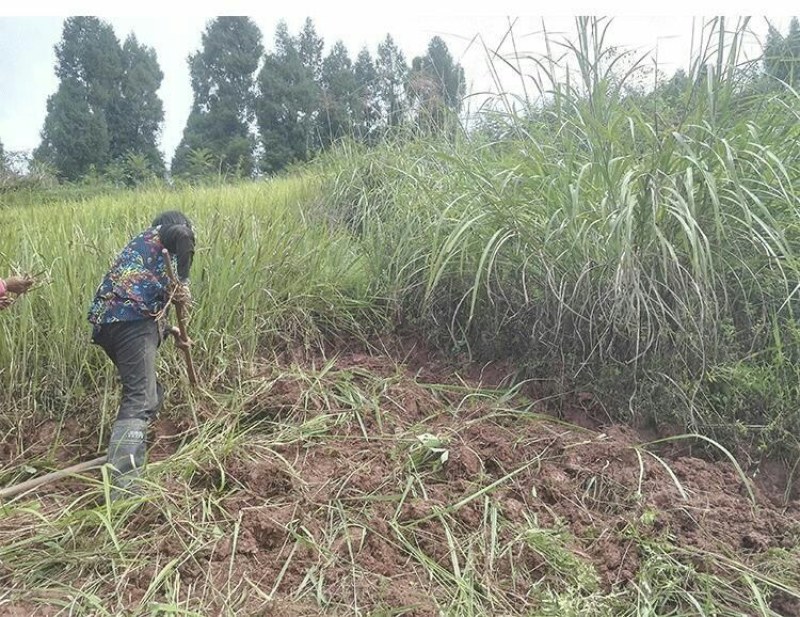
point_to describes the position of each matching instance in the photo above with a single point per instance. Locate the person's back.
(136, 286)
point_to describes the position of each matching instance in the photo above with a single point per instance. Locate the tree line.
(252, 112)
(257, 111)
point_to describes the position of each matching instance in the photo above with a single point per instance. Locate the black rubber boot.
(127, 449)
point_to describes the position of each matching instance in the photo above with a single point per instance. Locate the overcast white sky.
(27, 57)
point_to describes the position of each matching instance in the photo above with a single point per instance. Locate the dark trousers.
(132, 347)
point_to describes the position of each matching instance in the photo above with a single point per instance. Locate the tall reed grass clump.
(639, 243)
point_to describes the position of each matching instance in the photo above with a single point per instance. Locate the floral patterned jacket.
(136, 286)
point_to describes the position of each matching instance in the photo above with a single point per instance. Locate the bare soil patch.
(344, 507)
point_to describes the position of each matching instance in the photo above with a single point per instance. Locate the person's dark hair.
(177, 236)
(170, 218)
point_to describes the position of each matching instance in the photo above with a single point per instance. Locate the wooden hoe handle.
(180, 310)
(11, 491)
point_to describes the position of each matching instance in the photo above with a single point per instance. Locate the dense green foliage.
(223, 83)
(436, 85)
(392, 75)
(105, 110)
(286, 107)
(308, 102)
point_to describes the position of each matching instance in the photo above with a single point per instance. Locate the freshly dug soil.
(340, 505)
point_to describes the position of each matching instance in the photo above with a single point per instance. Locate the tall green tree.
(339, 99)
(366, 115)
(106, 108)
(392, 73)
(223, 81)
(287, 106)
(310, 46)
(436, 86)
(90, 53)
(136, 113)
(75, 137)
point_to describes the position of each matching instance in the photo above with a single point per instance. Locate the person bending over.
(128, 315)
